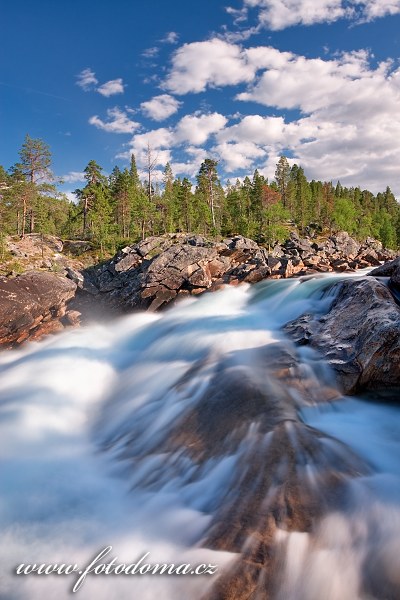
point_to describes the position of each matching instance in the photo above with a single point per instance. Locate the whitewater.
(155, 433)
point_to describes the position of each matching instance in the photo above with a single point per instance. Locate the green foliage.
(275, 228)
(114, 211)
(345, 215)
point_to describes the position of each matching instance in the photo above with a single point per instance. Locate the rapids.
(174, 434)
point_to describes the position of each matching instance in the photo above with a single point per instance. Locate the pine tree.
(94, 200)
(282, 177)
(209, 187)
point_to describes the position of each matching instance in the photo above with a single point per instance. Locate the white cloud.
(71, 196)
(160, 107)
(279, 14)
(211, 63)
(170, 38)
(238, 155)
(150, 52)
(73, 177)
(317, 84)
(196, 129)
(373, 9)
(118, 122)
(110, 88)
(87, 80)
(187, 135)
(348, 130)
(347, 127)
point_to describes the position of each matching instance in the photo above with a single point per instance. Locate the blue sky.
(241, 81)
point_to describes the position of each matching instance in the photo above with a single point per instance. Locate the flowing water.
(157, 432)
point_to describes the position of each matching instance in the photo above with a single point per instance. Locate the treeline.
(110, 211)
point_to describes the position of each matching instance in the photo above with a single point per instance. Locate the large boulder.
(154, 272)
(345, 244)
(392, 270)
(32, 304)
(359, 337)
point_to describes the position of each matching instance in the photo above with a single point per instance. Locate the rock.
(368, 256)
(28, 301)
(75, 276)
(241, 243)
(197, 240)
(281, 475)
(129, 261)
(144, 274)
(290, 267)
(274, 264)
(390, 269)
(340, 265)
(346, 244)
(77, 247)
(72, 318)
(257, 274)
(386, 270)
(359, 337)
(372, 243)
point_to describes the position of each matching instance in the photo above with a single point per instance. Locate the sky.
(239, 81)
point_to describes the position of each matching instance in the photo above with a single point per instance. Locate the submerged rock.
(274, 473)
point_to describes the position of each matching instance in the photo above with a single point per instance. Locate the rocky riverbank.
(159, 270)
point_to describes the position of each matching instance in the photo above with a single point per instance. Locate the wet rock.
(72, 318)
(359, 337)
(387, 270)
(390, 269)
(29, 301)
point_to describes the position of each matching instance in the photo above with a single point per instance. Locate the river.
(154, 433)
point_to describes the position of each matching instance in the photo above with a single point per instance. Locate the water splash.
(161, 433)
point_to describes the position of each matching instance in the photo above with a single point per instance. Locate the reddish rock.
(29, 300)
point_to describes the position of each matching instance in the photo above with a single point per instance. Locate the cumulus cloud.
(373, 9)
(86, 80)
(110, 88)
(188, 134)
(196, 129)
(160, 107)
(238, 155)
(348, 127)
(279, 14)
(211, 63)
(118, 122)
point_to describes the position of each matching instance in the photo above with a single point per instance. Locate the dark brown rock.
(28, 301)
